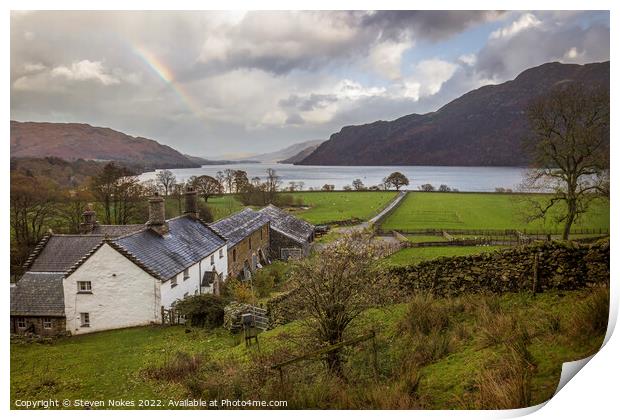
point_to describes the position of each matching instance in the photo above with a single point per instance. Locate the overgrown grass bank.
(473, 351)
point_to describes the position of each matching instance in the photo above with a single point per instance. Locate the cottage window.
(21, 323)
(185, 274)
(84, 287)
(221, 253)
(47, 323)
(234, 255)
(250, 242)
(85, 319)
(261, 234)
(212, 259)
(173, 281)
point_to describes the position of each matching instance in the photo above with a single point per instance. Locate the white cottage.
(117, 276)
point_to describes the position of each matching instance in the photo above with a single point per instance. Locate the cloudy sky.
(216, 83)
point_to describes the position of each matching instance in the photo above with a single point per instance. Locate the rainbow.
(165, 74)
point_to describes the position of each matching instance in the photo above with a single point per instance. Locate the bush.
(263, 281)
(204, 212)
(238, 290)
(205, 311)
(180, 367)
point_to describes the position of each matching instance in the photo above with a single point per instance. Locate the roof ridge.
(36, 251)
(134, 259)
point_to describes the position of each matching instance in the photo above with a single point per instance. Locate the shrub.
(238, 290)
(204, 212)
(205, 311)
(263, 281)
(177, 369)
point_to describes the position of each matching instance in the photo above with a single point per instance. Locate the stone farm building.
(289, 237)
(247, 232)
(114, 277)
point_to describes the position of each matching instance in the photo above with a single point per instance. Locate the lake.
(465, 178)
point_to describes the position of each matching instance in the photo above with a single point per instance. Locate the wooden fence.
(328, 349)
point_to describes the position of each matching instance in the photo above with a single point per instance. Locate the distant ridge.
(72, 141)
(484, 127)
(286, 153)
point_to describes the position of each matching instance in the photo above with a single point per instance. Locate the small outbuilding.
(289, 236)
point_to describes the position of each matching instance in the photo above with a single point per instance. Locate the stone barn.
(290, 237)
(248, 235)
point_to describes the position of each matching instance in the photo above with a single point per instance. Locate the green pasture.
(421, 210)
(339, 206)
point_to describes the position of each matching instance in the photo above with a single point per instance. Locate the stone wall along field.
(539, 267)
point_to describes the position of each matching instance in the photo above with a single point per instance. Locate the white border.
(593, 393)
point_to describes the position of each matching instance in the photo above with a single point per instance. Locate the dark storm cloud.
(433, 25)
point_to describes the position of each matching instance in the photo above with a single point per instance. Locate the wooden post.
(163, 316)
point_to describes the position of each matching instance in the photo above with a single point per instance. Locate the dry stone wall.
(540, 267)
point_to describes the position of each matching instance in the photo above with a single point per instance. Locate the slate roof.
(240, 225)
(59, 253)
(287, 224)
(38, 294)
(188, 241)
(114, 231)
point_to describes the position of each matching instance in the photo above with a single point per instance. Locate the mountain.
(72, 141)
(285, 153)
(301, 155)
(484, 127)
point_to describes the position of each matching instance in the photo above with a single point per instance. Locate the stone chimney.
(191, 207)
(89, 220)
(157, 214)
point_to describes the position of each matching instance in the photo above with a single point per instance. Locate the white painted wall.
(191, 285)
(123, 295)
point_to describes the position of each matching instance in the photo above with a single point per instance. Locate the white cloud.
(385, 58)
(525, 21)
(468, 59)
(34, 67)
(85, 70)
(428, 77)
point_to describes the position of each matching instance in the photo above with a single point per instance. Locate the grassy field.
(447, 374)
(221, 206)
(421, 210)
(338, 206)
(408, 256)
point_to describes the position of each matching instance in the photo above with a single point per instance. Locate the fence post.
(163, 316)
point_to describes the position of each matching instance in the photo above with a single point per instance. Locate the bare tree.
(206, 186)
(229, 179)
(166, 179)
(357, 184)
(177, 193)
(240, 181)
(272, 182)
(396, 179)
(334, 286)
(570, 151)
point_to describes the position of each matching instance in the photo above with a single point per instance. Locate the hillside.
(484, 127)
(301, 155)
(82, 141)
(286, 153)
